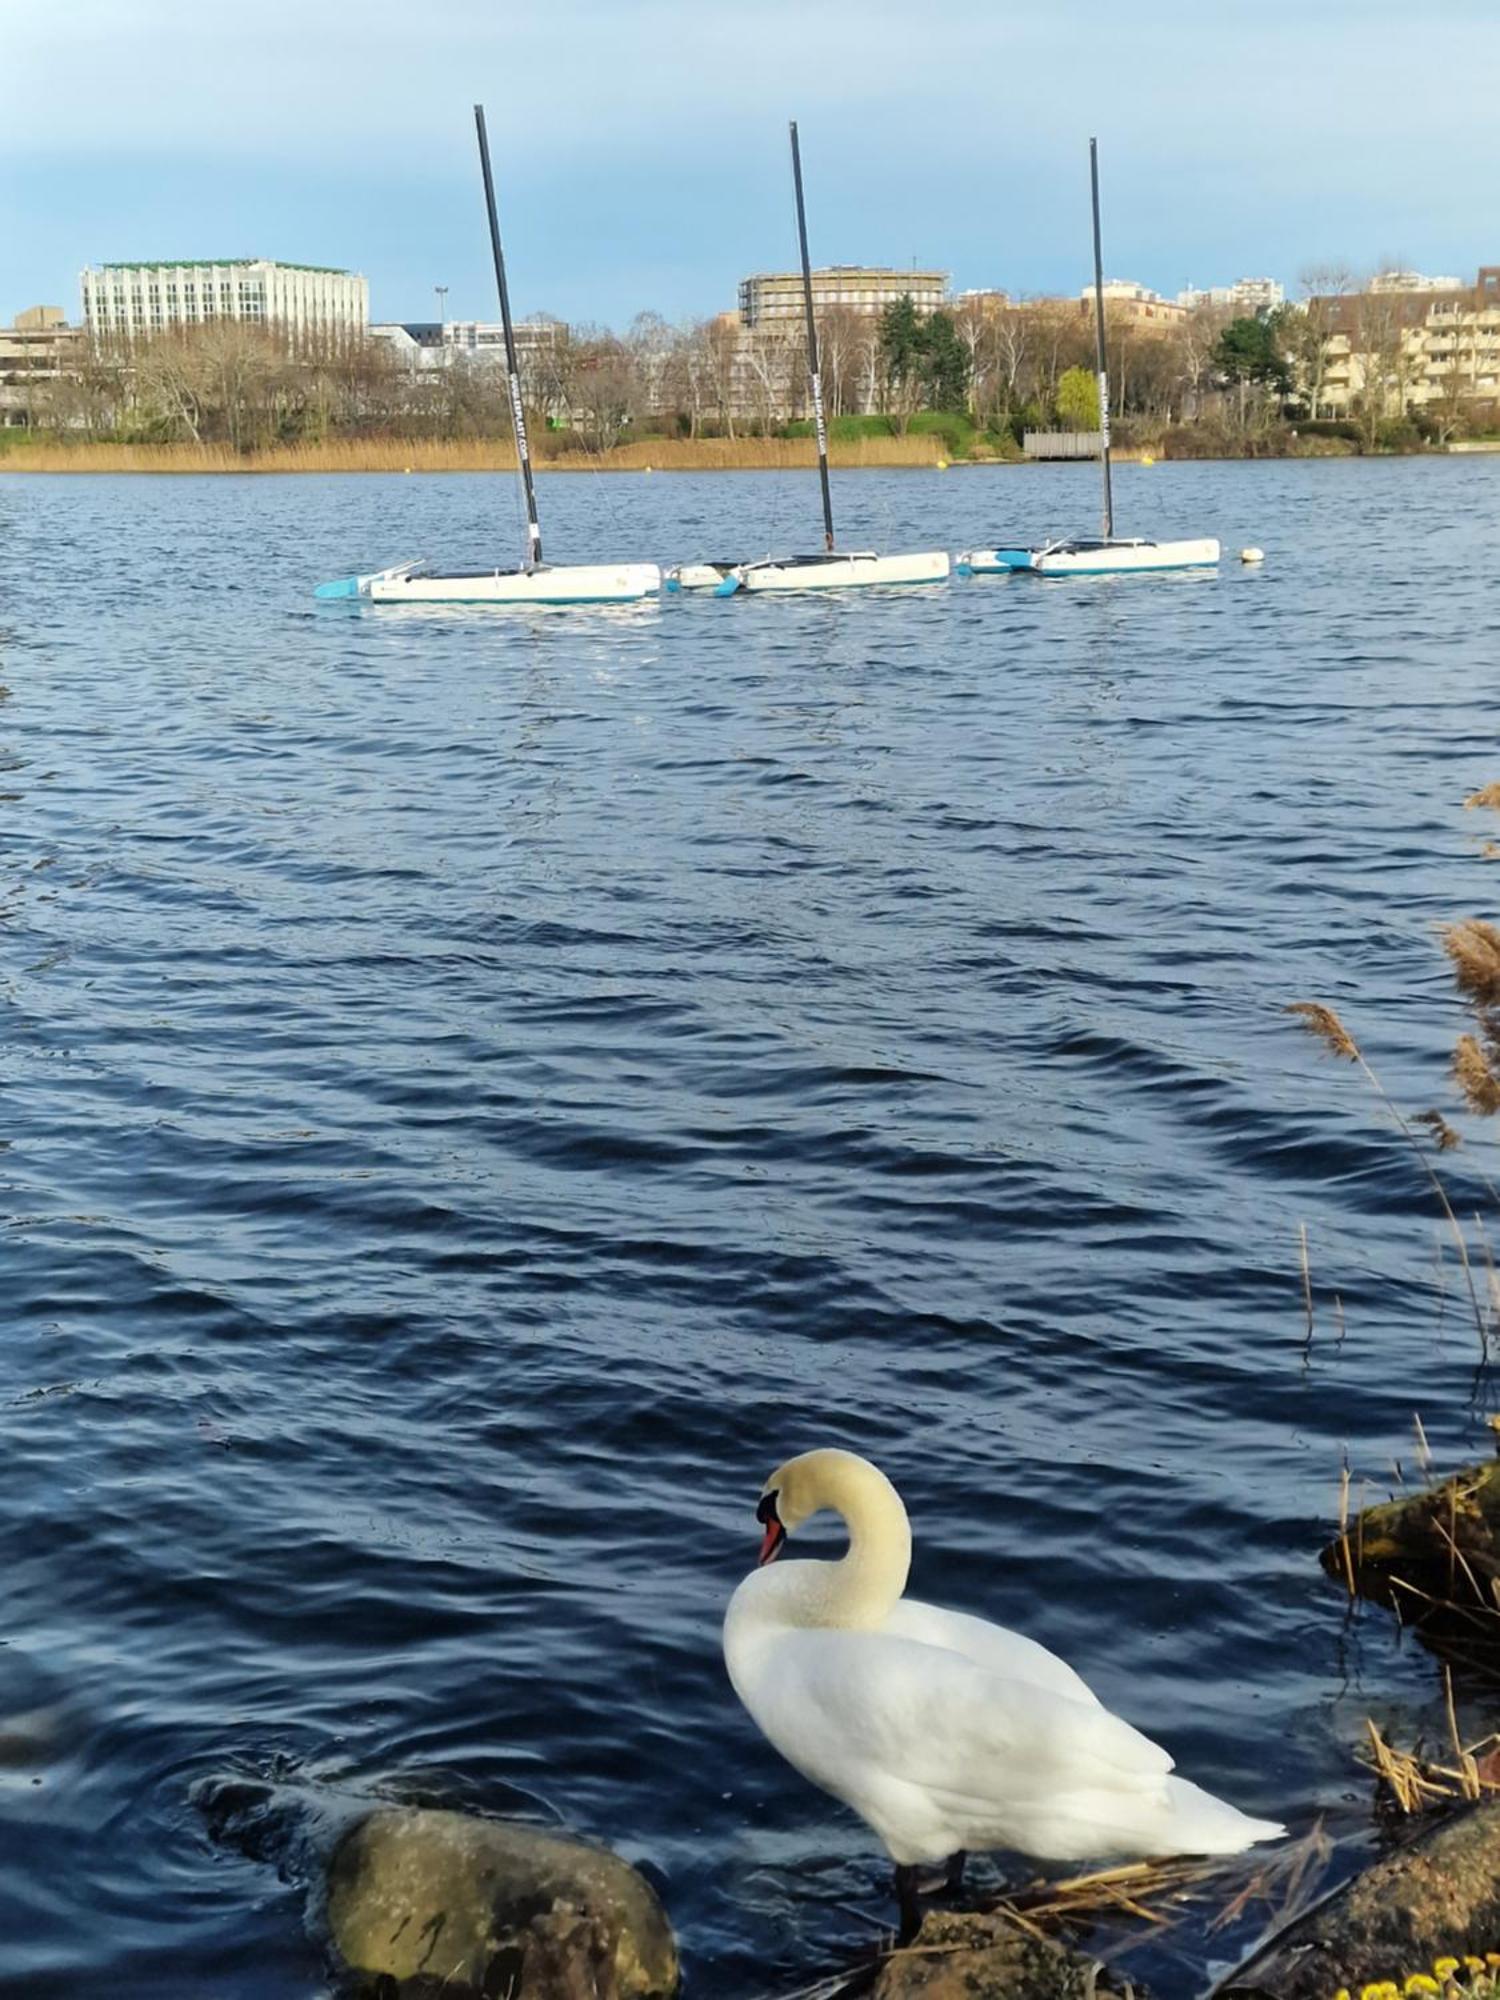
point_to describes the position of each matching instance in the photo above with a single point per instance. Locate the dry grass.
(475, 455)
(1487, 795)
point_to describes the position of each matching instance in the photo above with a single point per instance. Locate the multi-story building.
(34, 352)
(134, 301)
(772, 296)
(426, 344)
(1245, 295)
(1412, 281)
(1128, 304)
(1408, 349)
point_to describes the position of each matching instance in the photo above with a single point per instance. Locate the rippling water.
(480, 1088)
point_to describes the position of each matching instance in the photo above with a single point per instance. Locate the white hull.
(561, 583)
(698, 576)
(842, 572)
(1118, 558)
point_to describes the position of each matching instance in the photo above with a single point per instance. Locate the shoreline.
(925, 452)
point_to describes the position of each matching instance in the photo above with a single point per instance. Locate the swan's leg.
(908, 1885)
(953, 1875)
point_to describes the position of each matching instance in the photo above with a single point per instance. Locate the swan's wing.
(847, 1707)
(1009, 1654)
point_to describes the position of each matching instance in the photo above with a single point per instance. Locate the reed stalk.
(1324, 1023)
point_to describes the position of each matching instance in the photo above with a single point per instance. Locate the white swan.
(943, 1732)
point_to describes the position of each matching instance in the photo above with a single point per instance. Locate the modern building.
(867, 289)
(34, 352)
(1412, 349)
(1245, 295)
(427, 344)
(134, 301)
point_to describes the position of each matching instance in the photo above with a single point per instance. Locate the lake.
(483, 1087)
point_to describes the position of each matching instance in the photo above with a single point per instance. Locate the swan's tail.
(1202, 1824)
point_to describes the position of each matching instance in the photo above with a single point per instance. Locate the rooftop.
(166, 263)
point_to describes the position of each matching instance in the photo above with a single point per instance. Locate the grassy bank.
(477, 455)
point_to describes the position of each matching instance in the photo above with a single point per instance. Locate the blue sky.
(640, 145)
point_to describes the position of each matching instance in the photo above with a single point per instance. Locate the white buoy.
(1252, 555)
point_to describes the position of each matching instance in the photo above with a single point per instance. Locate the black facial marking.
(766, 1512)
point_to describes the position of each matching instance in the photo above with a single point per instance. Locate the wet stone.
(421, 1903)
(1438, 1896)
(986, 1957)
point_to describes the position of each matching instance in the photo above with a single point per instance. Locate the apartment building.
(34, 352)
(132, 301)
(1245, 295)
(1413, 348)
(1128, 304)
(770, 297)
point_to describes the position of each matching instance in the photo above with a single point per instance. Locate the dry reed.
(1324, 1023)
(1487, 795)
(1444, 1136)
(1473, 949)
(476, 455)
(1475, 1077)
(1415, 1783)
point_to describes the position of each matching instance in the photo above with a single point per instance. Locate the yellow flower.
(1380, 1989)
(1422, 1982)
(1444, 1968)
(1473, 1964)
(1342, 1994)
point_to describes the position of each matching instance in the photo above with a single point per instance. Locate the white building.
(1246, 295)
(424, 344)
(131, 301)
(1413, 281)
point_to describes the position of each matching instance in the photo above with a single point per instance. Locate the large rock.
(984, 1957)
(1436, 1897)
(442, 1902)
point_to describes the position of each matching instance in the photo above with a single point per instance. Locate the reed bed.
(476, 455)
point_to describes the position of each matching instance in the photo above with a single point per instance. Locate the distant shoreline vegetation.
(900, 389)
(26, 451)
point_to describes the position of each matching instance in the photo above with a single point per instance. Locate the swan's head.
(805, 1486)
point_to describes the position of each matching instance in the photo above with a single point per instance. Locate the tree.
(902, 355)
(1247, 356)
(1078, 400)
(945, 364)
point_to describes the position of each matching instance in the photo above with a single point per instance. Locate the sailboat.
(1107, 554)
(533, 581)
(832, 569)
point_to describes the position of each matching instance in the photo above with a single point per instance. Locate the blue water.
(480, 1088)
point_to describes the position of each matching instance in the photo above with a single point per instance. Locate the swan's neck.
(861, 1590)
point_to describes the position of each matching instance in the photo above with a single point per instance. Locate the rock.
(1436, 1897)
(984, 1957)
(444, 1902)
(1433, 1555)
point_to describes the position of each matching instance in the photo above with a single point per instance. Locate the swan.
(945, 1733)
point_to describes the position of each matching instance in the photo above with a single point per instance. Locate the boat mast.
(1103, 367)
(820, 428)
(517, 414)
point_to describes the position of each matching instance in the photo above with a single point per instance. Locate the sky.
(640, 146)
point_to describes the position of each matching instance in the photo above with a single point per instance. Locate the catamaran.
(533, 581)
(1106, 554)
(833, 568)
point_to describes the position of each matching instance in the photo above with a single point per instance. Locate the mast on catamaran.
(815, 379)
(533, 581)
(1078, 555)
(512, 366)
(1102, 363)
(829, 570)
